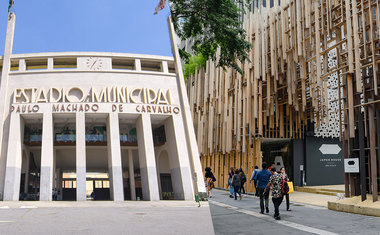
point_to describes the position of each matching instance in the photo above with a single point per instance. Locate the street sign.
(330, 149)
(351, 165)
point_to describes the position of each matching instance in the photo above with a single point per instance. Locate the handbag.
(291, 189)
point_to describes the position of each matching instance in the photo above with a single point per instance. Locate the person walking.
(254, 179)
(243, 180)
(285, 178)
(275, 182)
(230, 175)
(262, 181)
(210, 179)
(272, 165)
(236, 183)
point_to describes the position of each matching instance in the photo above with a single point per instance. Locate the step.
(330, 192)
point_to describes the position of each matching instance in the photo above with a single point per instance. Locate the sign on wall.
(94, 99)
(351, 165)
(324, 161)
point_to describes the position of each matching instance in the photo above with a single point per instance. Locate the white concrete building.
(120, 123)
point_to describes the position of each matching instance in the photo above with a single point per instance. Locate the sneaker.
(277, 218)
(231, 196)
(210, 196)
(267, 210)
(288, 210)
(261, 212)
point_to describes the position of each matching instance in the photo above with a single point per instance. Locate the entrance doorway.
(279, 152)
(97, 186)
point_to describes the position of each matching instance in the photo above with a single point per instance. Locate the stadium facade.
(108, 126)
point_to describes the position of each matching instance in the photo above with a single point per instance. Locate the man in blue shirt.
(263, 180)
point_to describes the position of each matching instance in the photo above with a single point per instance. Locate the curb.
(349, 208)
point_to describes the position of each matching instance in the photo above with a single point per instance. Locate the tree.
(212, 24)
(193, 64)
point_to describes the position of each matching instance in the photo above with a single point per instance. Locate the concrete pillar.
(14, 159)
(59, 180)
(137, 65)
(147, 159)
(114, 158)
(27, 163)
(179, 160)
(50, 64)
(47, 152)
(54, 165)
(187, 119)
(4, 97)
(131, 171)
(157, 155)
(81, 156)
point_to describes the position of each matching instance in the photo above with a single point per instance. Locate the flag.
(160, 6)
(10, 5)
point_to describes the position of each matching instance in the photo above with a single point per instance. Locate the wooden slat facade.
(284, 85)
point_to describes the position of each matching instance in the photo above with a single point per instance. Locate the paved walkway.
(162, 217)
(339, 187)
(306, 198)
(243, 217)
(311, 198)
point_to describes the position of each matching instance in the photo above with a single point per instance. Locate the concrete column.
(179, 160)
(157, 155)
(27, 163)
(54, 165)
(147, 159)
(165, 67)
(188, 121)
(14, 159)
(21, 65)
(81, 156)
(50, 64)
(59, 180)
(137, 65)
(131, 171)
(47, 152)
(5, 99)
(114, 158)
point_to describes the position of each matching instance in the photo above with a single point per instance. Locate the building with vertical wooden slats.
(309, 93)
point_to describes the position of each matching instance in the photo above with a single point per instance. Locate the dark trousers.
(237, 191)
(277, 202)
(256, 188)
(242, 188)
(263, 196)
(287, 201)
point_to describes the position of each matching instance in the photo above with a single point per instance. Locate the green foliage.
(193, 63)
(212, 24)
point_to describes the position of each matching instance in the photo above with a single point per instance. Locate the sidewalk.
(100, 204)
(312, 199)
(326, 196)
(106, 217)
(308, 198)
(331, 190)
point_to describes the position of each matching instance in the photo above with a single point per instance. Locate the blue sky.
(88, 25)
